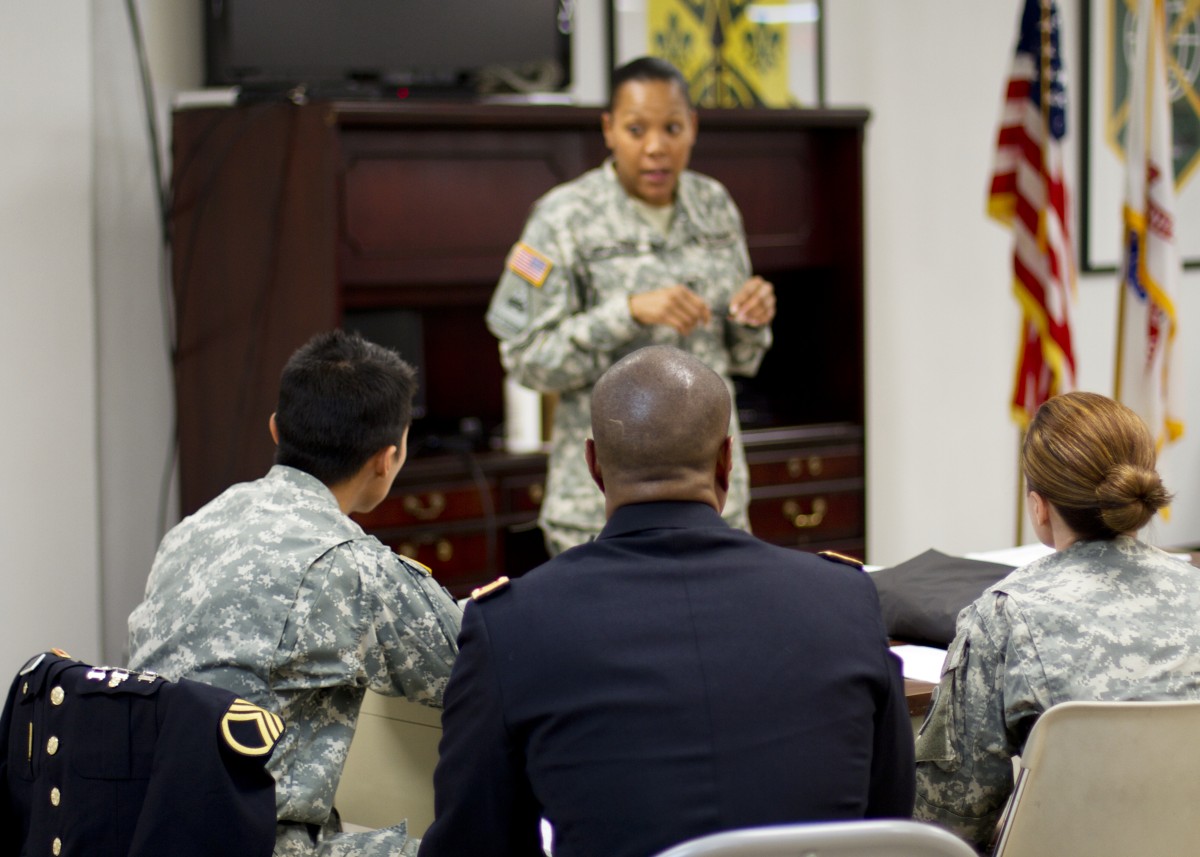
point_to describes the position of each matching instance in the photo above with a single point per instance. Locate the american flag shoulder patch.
(529, 264)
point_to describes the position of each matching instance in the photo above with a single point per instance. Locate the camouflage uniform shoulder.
(574, 204)
(709, 201)
(414, 565)
(705, 186)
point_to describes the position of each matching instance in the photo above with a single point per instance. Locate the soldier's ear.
(386, 460)
(725, 464)
(1039, 509)
(274, 429)
(721, 473)
(593, 464)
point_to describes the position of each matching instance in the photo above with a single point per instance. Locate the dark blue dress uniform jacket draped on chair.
(102, 761)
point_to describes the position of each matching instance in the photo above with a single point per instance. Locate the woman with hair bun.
(1104, 617)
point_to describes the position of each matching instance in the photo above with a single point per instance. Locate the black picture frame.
(1101, 171)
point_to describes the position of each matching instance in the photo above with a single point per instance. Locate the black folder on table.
(922, 597)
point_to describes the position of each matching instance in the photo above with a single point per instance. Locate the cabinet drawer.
(803, 518)
(805, 465)
(524, 496)
(406, 508)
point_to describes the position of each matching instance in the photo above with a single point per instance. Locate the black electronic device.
(400, 330)
(387, 49)
(437, 427)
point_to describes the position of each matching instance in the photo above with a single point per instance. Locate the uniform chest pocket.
(717, 240)
(113, 737)
(593, 253)
(937, 739)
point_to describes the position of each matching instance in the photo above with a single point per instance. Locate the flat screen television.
(387, 48)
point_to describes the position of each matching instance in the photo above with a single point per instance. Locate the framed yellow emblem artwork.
(733, 53)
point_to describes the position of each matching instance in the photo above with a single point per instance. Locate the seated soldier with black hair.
(273, 592)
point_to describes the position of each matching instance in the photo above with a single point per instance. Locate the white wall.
(942, 324)
(135, 428)
(48, 518)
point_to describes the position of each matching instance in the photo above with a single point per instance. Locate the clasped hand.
(680, 308)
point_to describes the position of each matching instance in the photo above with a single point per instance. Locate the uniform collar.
(662, 515)
(684, 214)
(305, 483)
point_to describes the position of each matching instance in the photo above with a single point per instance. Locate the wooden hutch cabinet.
(397, 218)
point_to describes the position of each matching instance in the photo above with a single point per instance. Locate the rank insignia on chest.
(529, 264)
(249, 729)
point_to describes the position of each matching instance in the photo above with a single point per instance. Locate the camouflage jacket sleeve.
(555, 335)
(746, 345)
(410, 643)
(991, 691)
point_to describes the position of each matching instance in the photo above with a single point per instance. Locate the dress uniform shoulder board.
(251, 730)
(497, 585)
(32, 664)
(420, 566)
(834, 556)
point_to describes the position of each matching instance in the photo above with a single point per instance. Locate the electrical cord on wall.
(489, 508)
(172, 310)
(164, 229)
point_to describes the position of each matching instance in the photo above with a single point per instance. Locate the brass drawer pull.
(413, 506)
(791, 511)
(537, 493)
(795, 466)
(442, 549)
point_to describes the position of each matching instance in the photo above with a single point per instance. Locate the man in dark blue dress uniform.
(675, 677)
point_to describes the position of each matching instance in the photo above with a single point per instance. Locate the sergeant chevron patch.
(250, 729)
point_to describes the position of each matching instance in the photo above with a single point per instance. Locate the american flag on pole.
(1028, 194)
(1146, 378)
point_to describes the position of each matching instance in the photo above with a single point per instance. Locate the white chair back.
(871, 838)
(1102, 779)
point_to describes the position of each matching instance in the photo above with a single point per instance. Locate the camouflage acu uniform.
(1098, 620)
(561, 312)
(272, 592)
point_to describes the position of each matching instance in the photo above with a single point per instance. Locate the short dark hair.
(341, 400)
(647, 68)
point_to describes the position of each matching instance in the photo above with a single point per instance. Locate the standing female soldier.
(638, 251)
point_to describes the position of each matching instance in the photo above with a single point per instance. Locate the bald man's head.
(659, 417)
